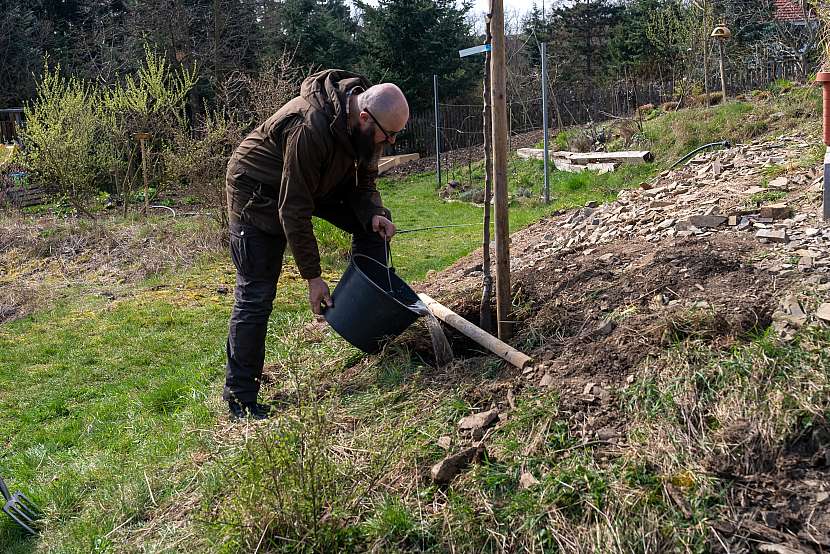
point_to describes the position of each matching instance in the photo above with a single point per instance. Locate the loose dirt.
(599, 291)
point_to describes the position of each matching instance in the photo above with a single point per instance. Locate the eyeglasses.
(390, 137)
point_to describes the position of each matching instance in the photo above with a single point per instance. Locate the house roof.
(790, 10)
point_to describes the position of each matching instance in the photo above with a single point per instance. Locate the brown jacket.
(296, 157)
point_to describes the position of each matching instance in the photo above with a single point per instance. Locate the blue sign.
(475, 50)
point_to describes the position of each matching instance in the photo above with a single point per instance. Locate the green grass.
(103, 402)
(110, 414)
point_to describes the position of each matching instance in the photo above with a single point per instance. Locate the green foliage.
(780, 86)
(320, 34)
(407, 41)
(66, 137)
(80, 135)
(766, 196)
(198, 160)
(21, 51)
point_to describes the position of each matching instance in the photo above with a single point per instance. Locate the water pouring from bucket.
(373, 305)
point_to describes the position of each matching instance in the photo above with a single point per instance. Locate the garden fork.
(23, 511)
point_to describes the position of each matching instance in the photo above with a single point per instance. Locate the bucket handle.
(387, 247)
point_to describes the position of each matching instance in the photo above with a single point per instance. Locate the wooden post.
(722, 72)
(485, 315)
(141, 138)
(499, 107)
(705, 55)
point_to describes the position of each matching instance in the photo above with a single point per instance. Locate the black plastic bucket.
(365, 312)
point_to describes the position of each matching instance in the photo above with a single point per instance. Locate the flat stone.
(705, 221)
(823, 312)
(479, 420)
(445, 442)
(790, 312)
(781, 183)
(776, 211)
(733, 220)
(666, 224)
(657, 191)
(445, 471)
(527, 480)
(588, 388)
(772, 235)
(660, 204)
(606, 327)
(546, 380)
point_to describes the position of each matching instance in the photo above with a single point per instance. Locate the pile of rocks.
(716, 192)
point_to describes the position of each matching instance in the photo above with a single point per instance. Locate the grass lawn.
(111, 419)
(105, 404)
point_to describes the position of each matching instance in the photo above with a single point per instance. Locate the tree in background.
(582, 33)
(407, 41)
(316, 33)
(20, 52)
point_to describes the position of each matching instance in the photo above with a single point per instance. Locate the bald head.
(387, 103)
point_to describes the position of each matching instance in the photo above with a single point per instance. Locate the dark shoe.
(252, 410)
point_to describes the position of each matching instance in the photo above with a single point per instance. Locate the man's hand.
(318, 292)
(383, 227)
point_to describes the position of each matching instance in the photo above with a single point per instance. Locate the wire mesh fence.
(461, 125)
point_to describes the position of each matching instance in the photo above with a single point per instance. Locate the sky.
(522, 6)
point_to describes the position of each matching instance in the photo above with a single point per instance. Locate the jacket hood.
(327, 91)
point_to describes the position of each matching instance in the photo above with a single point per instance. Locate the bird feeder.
(722, 33)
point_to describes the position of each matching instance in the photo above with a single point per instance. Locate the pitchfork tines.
(23, 511)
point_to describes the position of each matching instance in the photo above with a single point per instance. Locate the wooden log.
(488, 341)
(631, 157)
(539, 153)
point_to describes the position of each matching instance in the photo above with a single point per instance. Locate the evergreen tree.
(20, 52)
(317, 33)
(581, 33)
(407, 41)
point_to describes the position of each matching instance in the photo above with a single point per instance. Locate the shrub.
(64, 138)
(196, 161)
(79, 136)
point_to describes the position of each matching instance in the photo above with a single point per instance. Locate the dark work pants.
(258, 259)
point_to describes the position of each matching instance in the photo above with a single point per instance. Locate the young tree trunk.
(485, 311)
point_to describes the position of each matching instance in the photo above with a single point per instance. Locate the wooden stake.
(722, 72)
(485, 314)
(499, 101)
(141, 138)
(488, 341)
(705, 54)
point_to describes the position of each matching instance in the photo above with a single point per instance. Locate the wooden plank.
(632, 157)
(500, 132)
(563, 165)
(388, 162)
(539, 153)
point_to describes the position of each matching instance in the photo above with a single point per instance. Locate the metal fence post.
(545, 116)
(437, 133)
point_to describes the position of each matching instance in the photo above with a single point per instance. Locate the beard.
(367, 152)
